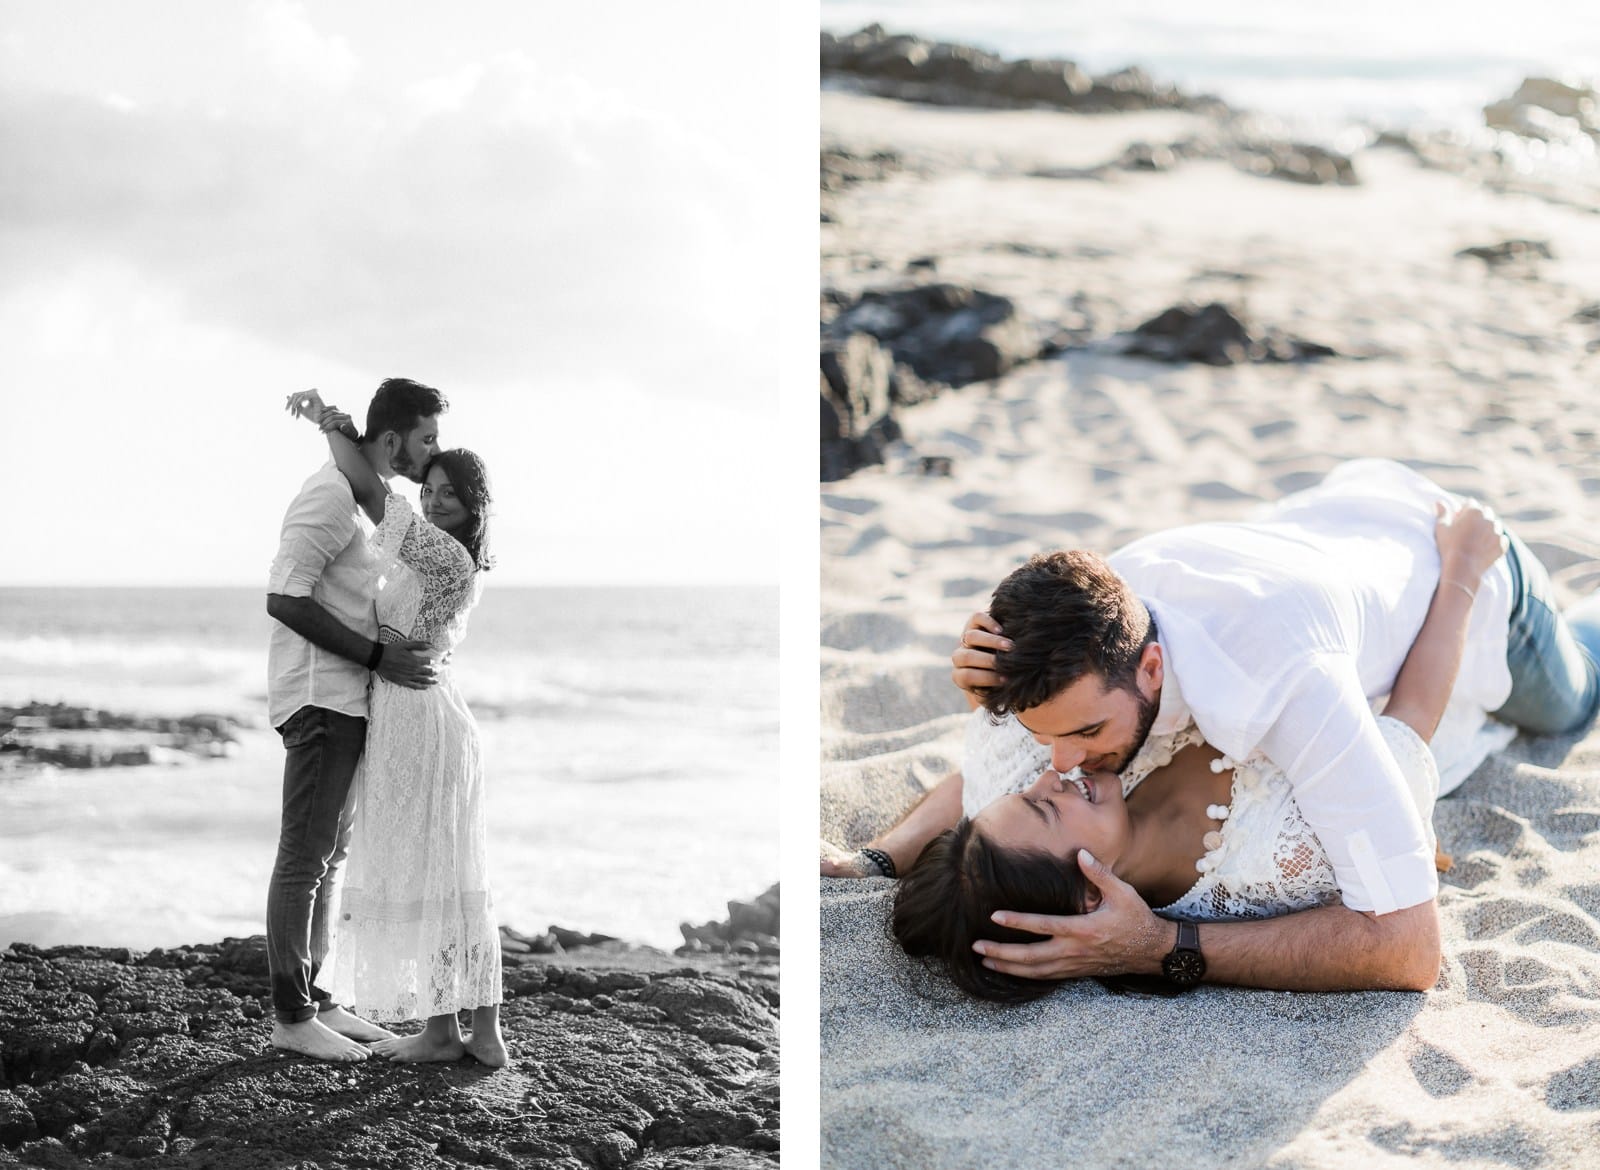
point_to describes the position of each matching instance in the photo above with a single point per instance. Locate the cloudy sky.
(556, 214)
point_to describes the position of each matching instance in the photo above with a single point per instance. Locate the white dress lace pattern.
(416, 933)
(1269, 861)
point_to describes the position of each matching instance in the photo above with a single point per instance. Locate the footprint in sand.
(1566, 830)
(867, 631)
(1471, 872)
(968, 587)
(854, 505)
(1217, 491)
(1439, 1073)
(1493, 917)
(1561, 926)
(1576, 1088)
(1298, 481)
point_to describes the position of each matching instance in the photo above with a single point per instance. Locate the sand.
(1482, 380)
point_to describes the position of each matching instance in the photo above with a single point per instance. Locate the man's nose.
(1066, 756)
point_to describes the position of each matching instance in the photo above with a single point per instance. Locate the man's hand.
(1121, 936)
(408, 664)
(972, 664)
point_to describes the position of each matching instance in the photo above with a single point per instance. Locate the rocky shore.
(622, 1056)
(71, 736)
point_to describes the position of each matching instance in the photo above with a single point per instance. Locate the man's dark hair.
(1067, 614)
(942, 906)
(400, 404)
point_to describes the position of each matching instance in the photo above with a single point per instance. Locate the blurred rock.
(940, 73)
(1216, 335)
(1509, 253)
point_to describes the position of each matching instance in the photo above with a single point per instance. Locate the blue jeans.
(1555, 685)
(322, 748)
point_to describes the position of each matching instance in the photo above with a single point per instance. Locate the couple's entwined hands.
(308, 404)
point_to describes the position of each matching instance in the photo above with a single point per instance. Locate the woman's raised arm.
(366, 484)
(1470, 541)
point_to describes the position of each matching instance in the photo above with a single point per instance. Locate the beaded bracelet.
(882, 860)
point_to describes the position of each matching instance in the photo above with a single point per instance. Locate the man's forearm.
(932, 815)
(317, 626)
(1332, 948)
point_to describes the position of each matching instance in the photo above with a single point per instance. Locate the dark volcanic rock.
(751, 928)
(646, 1060)
(85, 737)
(946, 333)
(1215, 335)
(901, 346)
(939, 73)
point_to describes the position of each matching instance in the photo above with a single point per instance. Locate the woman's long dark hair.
(942, 906)
(470, 478)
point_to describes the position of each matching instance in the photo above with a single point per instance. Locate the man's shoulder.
(327, 483)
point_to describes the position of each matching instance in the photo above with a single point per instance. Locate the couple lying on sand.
(1184, 734)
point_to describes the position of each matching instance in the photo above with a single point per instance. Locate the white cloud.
(292, 46)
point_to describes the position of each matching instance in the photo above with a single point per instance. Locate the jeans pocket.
(304, 726)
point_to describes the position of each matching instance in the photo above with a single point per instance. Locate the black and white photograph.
(389, 614)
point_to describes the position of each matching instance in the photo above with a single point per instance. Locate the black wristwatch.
(1184, 965)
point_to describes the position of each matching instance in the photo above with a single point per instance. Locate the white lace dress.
(416, 934)
(1268, 861)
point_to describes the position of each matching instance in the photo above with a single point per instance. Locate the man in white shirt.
(1274, 636)
(324, 648)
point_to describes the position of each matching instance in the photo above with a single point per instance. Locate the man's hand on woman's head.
(972, 664)
(1120, 936)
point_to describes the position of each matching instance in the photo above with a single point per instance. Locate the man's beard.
(403, 464)
(1148, 708)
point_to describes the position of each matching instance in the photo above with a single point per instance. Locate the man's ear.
(1152, 666)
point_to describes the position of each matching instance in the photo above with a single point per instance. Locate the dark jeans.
(1555, 685)
(323, 748)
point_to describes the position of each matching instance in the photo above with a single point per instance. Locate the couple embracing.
(382, 759)
(1215, 754)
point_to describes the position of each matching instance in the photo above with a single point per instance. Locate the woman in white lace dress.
(416, 934)
(1198, 835)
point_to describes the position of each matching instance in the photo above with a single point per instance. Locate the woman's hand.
(1470, 540)
(307, 404)
(972, 664)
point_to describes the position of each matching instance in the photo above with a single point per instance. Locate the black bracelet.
(880, 859)
(376, 656)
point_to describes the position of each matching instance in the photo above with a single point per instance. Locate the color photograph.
(389, 640)
(1209, 613)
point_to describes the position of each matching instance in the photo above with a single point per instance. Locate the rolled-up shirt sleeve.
(1351, 790)
(319, 524)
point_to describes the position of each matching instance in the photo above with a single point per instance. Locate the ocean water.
(1315, 65)
(630, 737)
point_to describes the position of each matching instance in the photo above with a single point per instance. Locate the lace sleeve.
(398, 519)
(445, 567)
(1417, 765)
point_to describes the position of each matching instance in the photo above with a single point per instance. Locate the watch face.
(1184, 967)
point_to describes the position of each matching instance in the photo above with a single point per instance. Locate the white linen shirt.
(1280, 633)
(324, 554)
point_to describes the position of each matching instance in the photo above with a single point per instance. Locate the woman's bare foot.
(424, 1046)
(487, 1047)
(351, 1025)
(314, 1039)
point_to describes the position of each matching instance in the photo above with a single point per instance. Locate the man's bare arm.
(1331, 948)
(399, 663)
(939, 810)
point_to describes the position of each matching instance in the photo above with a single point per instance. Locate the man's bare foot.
(351, 1025)
(419, 1048)
(314, 1039)
(487, 1047)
